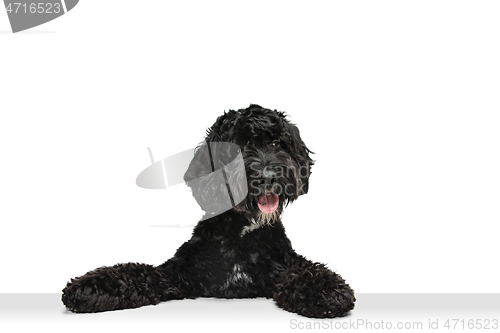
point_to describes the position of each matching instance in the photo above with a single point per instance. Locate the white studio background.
(399, 100)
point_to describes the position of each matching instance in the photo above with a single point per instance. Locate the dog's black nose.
(268, 177)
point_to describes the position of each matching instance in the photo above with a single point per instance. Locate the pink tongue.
(268, 203)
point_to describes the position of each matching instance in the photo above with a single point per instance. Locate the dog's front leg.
(312, 290)
(117, 287)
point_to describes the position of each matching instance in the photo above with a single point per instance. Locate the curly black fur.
(243, 252)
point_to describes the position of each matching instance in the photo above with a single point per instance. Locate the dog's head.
(272, 170)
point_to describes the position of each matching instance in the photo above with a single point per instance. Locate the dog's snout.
(265, 178)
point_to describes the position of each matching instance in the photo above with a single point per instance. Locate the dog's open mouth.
(268, 203)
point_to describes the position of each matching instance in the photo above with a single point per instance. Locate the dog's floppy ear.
(208, 187)
(216, 174)
(299, 152)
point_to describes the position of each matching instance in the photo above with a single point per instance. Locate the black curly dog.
(242, 252)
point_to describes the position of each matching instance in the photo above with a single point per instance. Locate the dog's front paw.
(92, 292)
(312, 290)
(116, 287)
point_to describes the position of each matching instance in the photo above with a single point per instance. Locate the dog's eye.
(275, 143)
